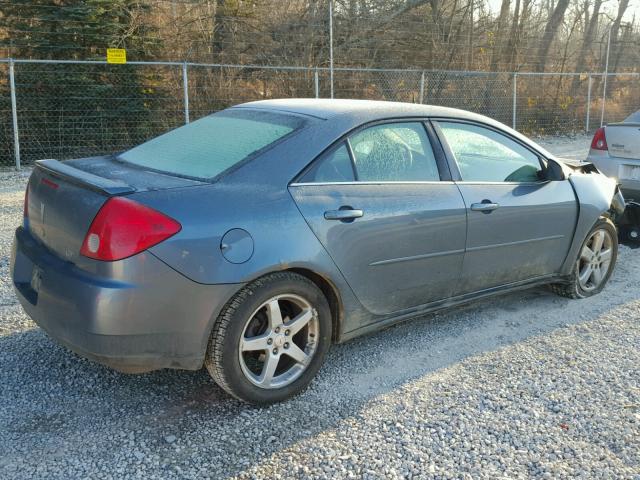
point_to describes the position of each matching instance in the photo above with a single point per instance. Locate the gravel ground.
(576, 147)
(524, 385)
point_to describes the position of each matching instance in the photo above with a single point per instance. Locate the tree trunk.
(510, 52)
(497, 45)
(550, 32)
(587, 42)
(470, 46)
(615, 29)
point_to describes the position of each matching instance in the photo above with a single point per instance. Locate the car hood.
(577, 165)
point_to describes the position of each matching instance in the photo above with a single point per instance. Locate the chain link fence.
(623, 96)
(212, 88)
(7, 156)
(74, 109)
(71, 110)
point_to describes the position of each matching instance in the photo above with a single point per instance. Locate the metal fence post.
(185, 88)
(422, 88)
(316, 82)
(586, 127)
(331, 44)
(606, 71)
(604, 98)
(515, 100)
(14, 114)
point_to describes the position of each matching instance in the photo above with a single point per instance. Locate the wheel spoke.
(596, 276)
(274, 314)
(268, 370)
(299, 321)
(586, 254)
(598, 241)
(252, 344)
(585, 275)
(297, 354)
(605, 255)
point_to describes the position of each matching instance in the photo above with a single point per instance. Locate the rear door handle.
(343, 214)
(485, 206)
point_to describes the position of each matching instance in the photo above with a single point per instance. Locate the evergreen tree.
(68, 110)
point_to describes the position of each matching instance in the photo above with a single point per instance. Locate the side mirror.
(553, 171)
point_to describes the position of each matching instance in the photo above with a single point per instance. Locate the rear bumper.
(616, 167)
(631, 192)
(133, 315)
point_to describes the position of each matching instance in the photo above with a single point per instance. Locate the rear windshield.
(633, 118)
(209, 146)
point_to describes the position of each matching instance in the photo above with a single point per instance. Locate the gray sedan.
(615, 150)
(250, 240)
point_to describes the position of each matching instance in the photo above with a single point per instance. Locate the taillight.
(599, 141)
(25, 211)
(123, 228)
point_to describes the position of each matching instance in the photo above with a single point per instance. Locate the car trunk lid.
(623, 140)
(64, 197)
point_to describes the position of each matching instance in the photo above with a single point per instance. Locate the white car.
(615, 150)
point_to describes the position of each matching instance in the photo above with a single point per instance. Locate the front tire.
(270, 340)
(595, 263)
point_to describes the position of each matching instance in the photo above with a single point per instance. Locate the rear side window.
(209, 146)
(334, 166)
(394, 152)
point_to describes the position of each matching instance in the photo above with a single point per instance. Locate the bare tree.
(615, 31)
(587, 40)
(550, 30)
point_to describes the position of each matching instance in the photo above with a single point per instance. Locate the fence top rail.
(162, 63)
(472, 72)
(310, 68)
(573, 74)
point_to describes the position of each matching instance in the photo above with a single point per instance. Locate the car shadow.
(50, 397)
(631, 244)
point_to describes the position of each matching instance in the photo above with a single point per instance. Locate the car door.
(388, 214)
(520, 224)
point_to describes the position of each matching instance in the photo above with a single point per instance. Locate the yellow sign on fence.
(116, 55)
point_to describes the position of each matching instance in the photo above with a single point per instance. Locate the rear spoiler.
(84, 179)
(623, 124)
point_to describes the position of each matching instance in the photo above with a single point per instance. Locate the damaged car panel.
(598, 196)
(298, 223)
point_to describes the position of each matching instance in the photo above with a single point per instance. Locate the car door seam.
(338, 269)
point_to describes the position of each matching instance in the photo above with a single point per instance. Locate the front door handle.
(486, 206)
(344, 214)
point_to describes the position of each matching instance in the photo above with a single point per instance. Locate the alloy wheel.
(278, 341)
(595, 260)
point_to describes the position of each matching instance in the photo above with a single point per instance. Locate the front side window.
(484, 155)
(209, 146)
(394, 152)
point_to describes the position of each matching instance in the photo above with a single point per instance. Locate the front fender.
(598, 196)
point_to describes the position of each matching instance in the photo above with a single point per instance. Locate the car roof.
(368, 110)
(358, 112)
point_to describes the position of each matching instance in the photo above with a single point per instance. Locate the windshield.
(209, 146)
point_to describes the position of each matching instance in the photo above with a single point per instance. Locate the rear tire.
(595, 263)
(270, 340)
